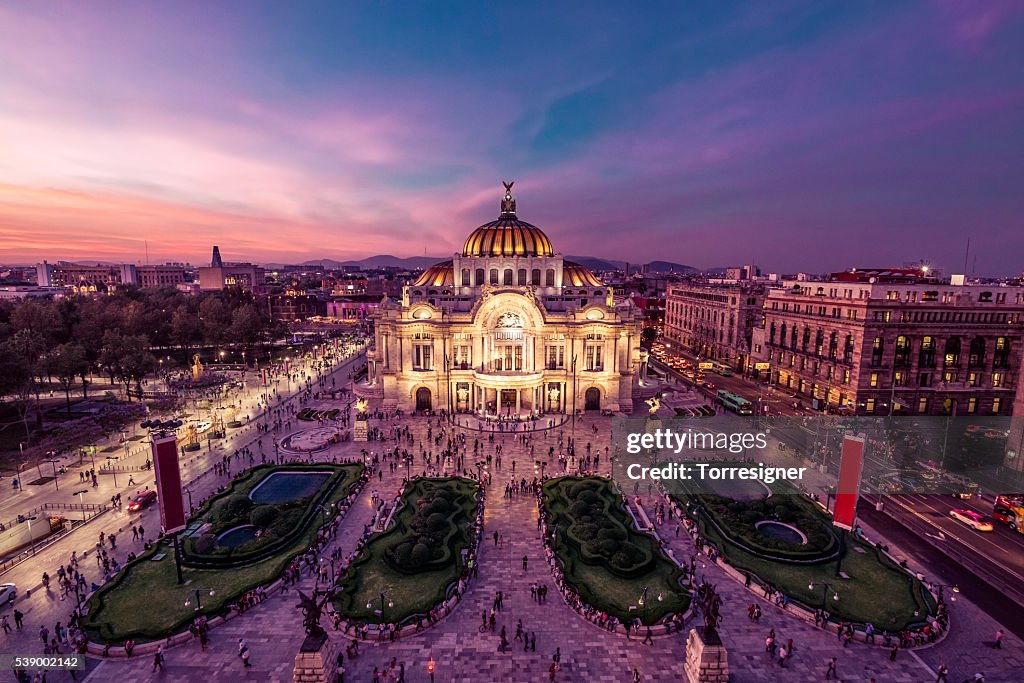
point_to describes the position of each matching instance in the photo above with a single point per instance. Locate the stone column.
(706, 658)
(316, 661)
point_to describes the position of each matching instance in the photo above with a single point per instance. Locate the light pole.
(31, 538)
(942, 587)
(369, 605)
(53, 463)
(112, 469)
(81, 500)
(199, 605)
(643, 603)
(825, 588)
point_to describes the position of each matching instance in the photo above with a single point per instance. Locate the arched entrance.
(423, 399)
(592, 399)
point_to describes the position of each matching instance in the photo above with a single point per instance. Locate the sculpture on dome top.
(508, 205)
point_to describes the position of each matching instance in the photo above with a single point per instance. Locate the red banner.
(168, 483)
(851, 463)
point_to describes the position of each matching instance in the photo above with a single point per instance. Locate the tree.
(66, 362)
(136, 363)
(16, 379)
(247, 327)
(186, 328)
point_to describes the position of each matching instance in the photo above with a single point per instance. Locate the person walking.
(4, 623)
(892, 653)
(782, 656)
(158, 659)
(998, 645)
(636, 675)
(19, 619)
(831, 673)
(941, 674)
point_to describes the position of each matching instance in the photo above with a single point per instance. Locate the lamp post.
(31, 538)
(112, 470)
(383, 594)
(942, 595)
(53, 463)
(574, 402)
(199, 604)
(643, 602)
(81, 500)
(189, 492)
(825, 588)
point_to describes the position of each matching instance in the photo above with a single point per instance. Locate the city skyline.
(870, 134)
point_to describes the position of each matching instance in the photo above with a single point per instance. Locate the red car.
(141, 501)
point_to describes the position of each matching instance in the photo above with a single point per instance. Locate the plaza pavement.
(462, 653)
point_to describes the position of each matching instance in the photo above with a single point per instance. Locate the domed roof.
(508, 236)
(438, 275)
(575, 275)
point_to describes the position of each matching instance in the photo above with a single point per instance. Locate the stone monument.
(706, 658)
(197, 368)
(317, 660)
(360, 421)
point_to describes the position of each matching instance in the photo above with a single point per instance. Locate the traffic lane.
(945, 569)
(1000, 545)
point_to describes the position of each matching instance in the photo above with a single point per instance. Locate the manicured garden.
(417, 560)
(605, 560)
(271, 522)
(877, 590)
(144, 601)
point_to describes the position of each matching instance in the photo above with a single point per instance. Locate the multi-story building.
(714, 321)
(87, 279)
(220, 275)
(886, 343)
(505, 327)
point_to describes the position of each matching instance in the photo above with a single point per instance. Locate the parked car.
(142, 500)
(8, 591)
(972, 519)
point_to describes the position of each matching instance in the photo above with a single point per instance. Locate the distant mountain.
(421, 262)
(669, 267)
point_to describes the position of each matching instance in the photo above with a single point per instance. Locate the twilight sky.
(800, 135)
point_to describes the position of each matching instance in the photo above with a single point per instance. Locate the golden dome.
(575, 275)
(508, 236)
(438, 275)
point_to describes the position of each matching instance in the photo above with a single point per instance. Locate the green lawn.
(411, 592)
(877, 591)
(595, 582)
(145, 601)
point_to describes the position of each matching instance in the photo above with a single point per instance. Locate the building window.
(874, 380)
(951, 358)
(522, 277)
(997, 379)
(900, 379)
(806, 339)
(927, 356)
(465, 277)
(877, 348)
(592, 357)
(869, 405)
(535, 277)
(846, 376)
(924, 379)
(950, 376)
(974, 379)
(422, 358)
(902, 357)
(507, 279)
(1001, 358)
(494, 276)
(922, 405)
(976, 357)
(972, 405)
(463, 357)
(479, 277)
(550, 277)
(554, 357)
(997, 403)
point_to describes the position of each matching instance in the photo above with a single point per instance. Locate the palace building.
(506, 327)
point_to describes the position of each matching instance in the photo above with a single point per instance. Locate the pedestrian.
(4, 623)
(158, 659)
(782, 656)
(19, 619)
(941, 674)
(636, 675)
(998, 645)
(892, 653)
(648, 640)
(831, 673)
(525, 560)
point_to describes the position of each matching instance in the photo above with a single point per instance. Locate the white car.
(8, 591)
(971, 519)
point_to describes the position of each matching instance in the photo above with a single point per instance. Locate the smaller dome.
(575, 275)
(438, 275)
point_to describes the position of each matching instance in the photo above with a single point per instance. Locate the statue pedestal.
(360, 430)
(706, 658)
(317, 661)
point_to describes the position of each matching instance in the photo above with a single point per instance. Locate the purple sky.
(801, 136)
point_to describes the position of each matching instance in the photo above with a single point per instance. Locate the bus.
(736, 404)
(1010, 511)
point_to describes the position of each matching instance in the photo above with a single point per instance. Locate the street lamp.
(942, 587)
(643, 602)
(825, 588)
(113, 471)
(369, 605)
(31, 538)
(81, 500)
(199, 605)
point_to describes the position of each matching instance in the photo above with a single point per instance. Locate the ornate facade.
(507, 327)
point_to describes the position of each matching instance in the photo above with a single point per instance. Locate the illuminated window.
(997, 379)
(874, 379)
(922, 405)
(997, 403)
(869, 405)
(972, 405)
